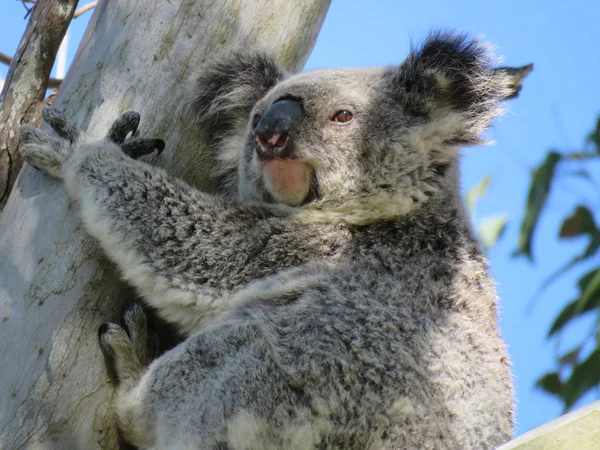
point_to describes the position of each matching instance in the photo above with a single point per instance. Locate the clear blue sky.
(557, 108)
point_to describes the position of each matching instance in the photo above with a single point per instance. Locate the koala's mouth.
(288, 181)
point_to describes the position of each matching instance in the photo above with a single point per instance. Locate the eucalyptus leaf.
(578, 223)
(571, 358)
(584, 377)
(594, 136)
(590, 250)
(589, 286)
(550, 383)
(541, 182)
(491, 229)
(476, 192)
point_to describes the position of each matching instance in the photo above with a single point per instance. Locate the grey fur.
(363, 319)
(62, 127)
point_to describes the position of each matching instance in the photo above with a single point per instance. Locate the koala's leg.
(129, 352)
(221, 388)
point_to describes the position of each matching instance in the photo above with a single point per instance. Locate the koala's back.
(382, 349)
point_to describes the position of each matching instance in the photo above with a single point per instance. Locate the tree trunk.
(27, 80)
(55, 287)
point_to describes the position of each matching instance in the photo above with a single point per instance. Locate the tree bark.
(55, 287)
(27, 81)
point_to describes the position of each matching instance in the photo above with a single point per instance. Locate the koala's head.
(376, 139)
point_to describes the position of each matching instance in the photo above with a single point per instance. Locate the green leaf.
(491, 229)
(476, 192)
(570, 358)
(584, 377)
(589, 286)
(586, 279)
(563, 317)
(550, 383)
(594, 136)
(541, 181)
(589, 251)
(591, 289)
(578, 223)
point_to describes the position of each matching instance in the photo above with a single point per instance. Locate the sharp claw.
(142, 146)
(102, 329)
(59, 123)
(49, 112)
(128, 122)
(160, 146)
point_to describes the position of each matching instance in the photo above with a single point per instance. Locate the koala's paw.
(134, 147)
(48, 152)
(130, 349)
(45, 151)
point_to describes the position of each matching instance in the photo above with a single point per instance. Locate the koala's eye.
(255, 120)
(342, 117)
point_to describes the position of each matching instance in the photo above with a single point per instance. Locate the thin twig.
(23, 2)
(5, 59)
(84, 9)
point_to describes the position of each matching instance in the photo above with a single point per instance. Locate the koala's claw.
(61, 126)
(102, 329)
(134, 147)
(128, 122)
(142, 146)
(47, 152)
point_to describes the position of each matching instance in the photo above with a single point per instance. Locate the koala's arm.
(185, 251)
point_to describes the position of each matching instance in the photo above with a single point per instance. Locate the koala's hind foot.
(129, 350)
(48, 151)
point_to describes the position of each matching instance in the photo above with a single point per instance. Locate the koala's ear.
(450, 79)
(220, 102)
(228, 88)
(515, 75)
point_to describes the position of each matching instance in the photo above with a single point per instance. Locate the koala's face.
(352, 137)
(312, 137)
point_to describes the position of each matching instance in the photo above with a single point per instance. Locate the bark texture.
(55, 287)
(27, 81)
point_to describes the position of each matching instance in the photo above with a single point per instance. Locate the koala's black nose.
(272, 134)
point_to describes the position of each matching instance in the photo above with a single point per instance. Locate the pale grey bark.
(579, 429)
(55, 288)
(27, 80)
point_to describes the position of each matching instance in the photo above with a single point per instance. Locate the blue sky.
(558, 107)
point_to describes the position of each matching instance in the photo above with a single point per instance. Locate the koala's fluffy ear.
(516, 76)
(227, 89)
(224, 94)
(450, 82)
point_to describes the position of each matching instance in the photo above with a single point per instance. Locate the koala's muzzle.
(273, 131)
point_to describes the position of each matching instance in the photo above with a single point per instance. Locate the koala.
(334, 296)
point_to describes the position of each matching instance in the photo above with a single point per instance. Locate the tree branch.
(52, 82)
(79, 12)
(84, 9)
(27, 80)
